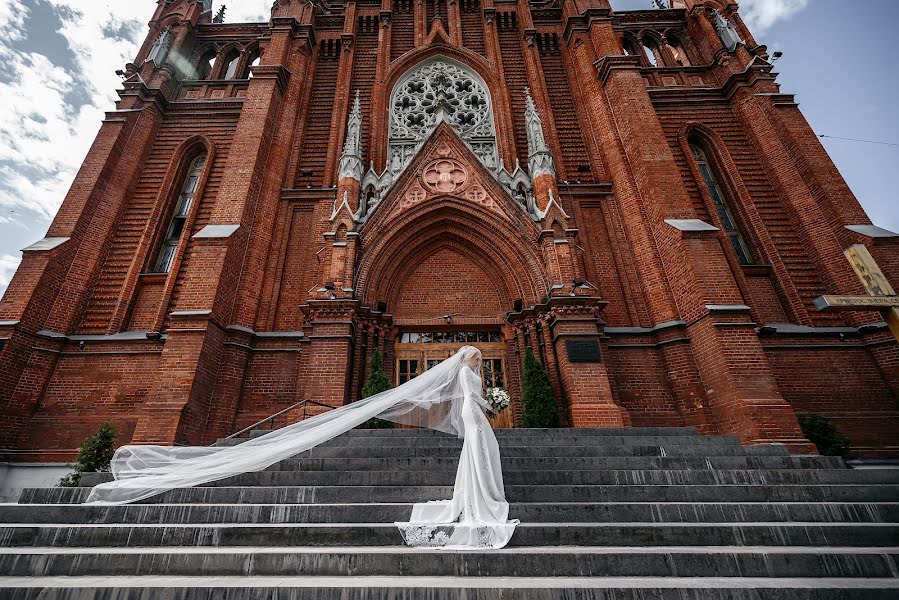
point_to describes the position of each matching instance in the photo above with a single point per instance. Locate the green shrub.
(94, 455)
(821, 431)
(377, 382)
(538, 403)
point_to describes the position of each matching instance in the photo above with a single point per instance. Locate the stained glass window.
(721, 206)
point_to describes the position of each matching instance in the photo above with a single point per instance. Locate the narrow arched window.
(649, 50)
(232, 61)
(206, 65)
(678, 52)
(179, 216)
(255, 59)
(722, 206)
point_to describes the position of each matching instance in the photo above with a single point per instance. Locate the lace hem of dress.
(457, 535)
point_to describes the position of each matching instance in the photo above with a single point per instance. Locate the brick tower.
(629, 194)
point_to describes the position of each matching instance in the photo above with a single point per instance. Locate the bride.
(446, 398)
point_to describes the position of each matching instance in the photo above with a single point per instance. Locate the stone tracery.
(438, 90)
(445, 176)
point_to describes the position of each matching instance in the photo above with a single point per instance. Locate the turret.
(556, 237)
(349, 176)
(541, 166)
(337, 268)
(162, 55)
(540, 161)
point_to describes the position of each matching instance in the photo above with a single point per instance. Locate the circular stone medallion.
(445, 176)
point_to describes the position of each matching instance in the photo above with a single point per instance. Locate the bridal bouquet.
(498, 399)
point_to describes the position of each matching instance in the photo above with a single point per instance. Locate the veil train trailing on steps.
(446, 398)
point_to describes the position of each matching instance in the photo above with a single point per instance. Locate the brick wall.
(444, 283)
(259, 335)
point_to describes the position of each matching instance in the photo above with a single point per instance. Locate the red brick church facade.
(630, 194)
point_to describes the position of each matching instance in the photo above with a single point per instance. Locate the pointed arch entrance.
(448, 254)
(445, 301)
(449, 273)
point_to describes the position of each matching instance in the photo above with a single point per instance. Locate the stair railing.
(273, 417)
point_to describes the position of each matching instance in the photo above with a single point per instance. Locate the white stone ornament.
(160, 47)
(440, 90)
(351, 158)
(540, 160)
(445, 176)
(726, 31)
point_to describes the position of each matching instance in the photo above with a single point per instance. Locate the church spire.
(160, 48)
(726, 30)
(540, 161)
(351, 159)
(338, 264)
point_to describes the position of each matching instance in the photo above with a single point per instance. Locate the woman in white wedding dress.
(446, 397)
(478, 514)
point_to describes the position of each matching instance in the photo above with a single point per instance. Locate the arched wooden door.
(416, 351)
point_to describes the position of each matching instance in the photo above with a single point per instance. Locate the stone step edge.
(511, 504)
(506, 473)
(525, 443)
(443, 582)
(405, 550)
(632, 475)
(516, 486)
(686, 431)
(532, 439)
(531, 525)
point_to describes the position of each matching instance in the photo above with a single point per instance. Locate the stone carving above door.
(445, 176)
(446, 167)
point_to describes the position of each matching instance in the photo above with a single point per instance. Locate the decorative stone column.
(330, 328)
(572, 329)
(338, 267)
(556, 237)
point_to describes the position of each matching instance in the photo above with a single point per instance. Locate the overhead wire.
(846, 139)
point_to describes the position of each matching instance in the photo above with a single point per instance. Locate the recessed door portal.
(418, 351)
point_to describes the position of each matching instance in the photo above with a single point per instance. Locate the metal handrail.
(278, 414)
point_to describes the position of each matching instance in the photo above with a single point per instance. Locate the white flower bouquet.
(498, 399)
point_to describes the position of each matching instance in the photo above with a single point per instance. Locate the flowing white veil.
(432, 400)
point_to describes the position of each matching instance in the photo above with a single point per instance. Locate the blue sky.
(57, 77)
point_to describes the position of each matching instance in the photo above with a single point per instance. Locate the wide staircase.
(632, 513)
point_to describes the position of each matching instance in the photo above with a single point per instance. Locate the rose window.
(438, 89)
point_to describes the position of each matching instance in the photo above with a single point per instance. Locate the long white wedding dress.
(478, 514)
(446, 397)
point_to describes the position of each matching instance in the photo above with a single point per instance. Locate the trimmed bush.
(94, 455)
(538, 403)
(377, 382)
(821, 431)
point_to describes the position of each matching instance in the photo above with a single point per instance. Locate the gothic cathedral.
(629, 195)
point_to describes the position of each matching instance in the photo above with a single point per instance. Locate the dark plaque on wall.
(583, 351)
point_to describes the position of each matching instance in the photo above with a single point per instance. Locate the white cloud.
(760, 15)
(246, 11)
(43, 135)
(12, 17)
(8, 266)
(42, 139)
